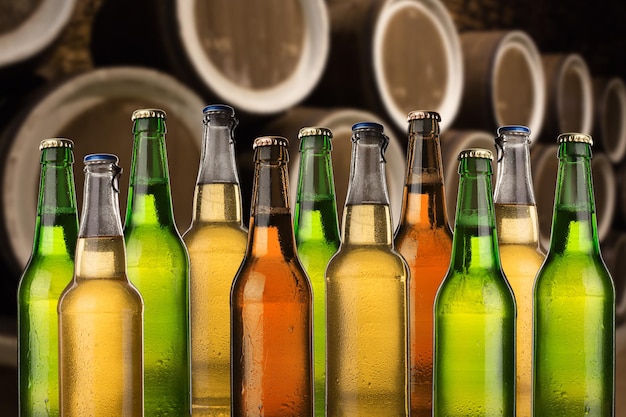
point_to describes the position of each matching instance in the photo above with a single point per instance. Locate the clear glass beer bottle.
(518, 239)
(574, 300)
(367, 295)
(424, 239)
(474, 362)
(317, 236)
(271, 302)
(49, 270)
(158, 266)
(216, 241)
(100, 312)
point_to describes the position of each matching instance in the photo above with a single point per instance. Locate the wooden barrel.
(569, 95)
(392, 56)
(94, 109)
(260, 57)
(28, 27)
(452, 143)
(609, 121)
(504, 81)
(545, 164)
(340, 122)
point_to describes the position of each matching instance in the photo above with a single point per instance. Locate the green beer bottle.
(367, 295)
(100, 312)
(574, 300)
(518, 239)
(317, 236)
(216, 241)
(49, 270)
(158, 265)
(424, 239)
(474, 364)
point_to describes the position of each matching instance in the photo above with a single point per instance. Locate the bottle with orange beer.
(424, 239)
(271, 302)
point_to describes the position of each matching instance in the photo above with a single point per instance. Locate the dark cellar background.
(594, 29)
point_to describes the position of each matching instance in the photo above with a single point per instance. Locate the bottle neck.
(366, 217)
(56, 226)
(271, 227)
(423, 201)
(101, 213)
(474, 244)
(574, 227)
(514, 183)
(217, 196)
(149, 196)
(315, 214)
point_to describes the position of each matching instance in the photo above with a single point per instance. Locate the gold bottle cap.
(315, 131)
(423, 114)
(146, 113)
(575, 137)
(476, 153)
(56, 143)
(270, 141)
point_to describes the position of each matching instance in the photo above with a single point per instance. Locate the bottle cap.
(270, 141)
(423, 114)
(476, 153)
(575, 137)
(314, 131)
(146, 113)
(367, 125)
(101, 157)
(219, 108)
(56, 143)
(513, 129)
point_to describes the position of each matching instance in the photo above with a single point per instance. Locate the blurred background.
(78, 68)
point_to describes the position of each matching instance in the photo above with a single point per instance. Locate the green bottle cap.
(270, 141)
(56, 143)
(146, 113)
(575, 137)
(315, 131)
(476, 153)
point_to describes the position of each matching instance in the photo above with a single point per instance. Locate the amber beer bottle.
(424, 239)
(100, 312)
(216, 241)
(158, 265)
(574, 300)
(271, 302)
(474, 362)
(367, 291)
(317, 236)
(49, 270)
(518, 239)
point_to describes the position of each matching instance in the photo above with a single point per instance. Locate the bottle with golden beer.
(100, 312)
(317, 236)
(424, 239)
(158, 266)
(574, 300)
(518, 239)
(49, 270)
(366, 293)
(271, 302)
(474, 361)
(216, 241)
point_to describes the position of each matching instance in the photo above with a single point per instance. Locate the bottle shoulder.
(271, 278)
(45, 277)
(367, 260)
(575, 273)
(100, 296)
(209, 233)
(478, 291)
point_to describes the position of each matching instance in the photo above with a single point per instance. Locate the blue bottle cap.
(215, 108)
(367, 125)
(520, 129)
(101, 157)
